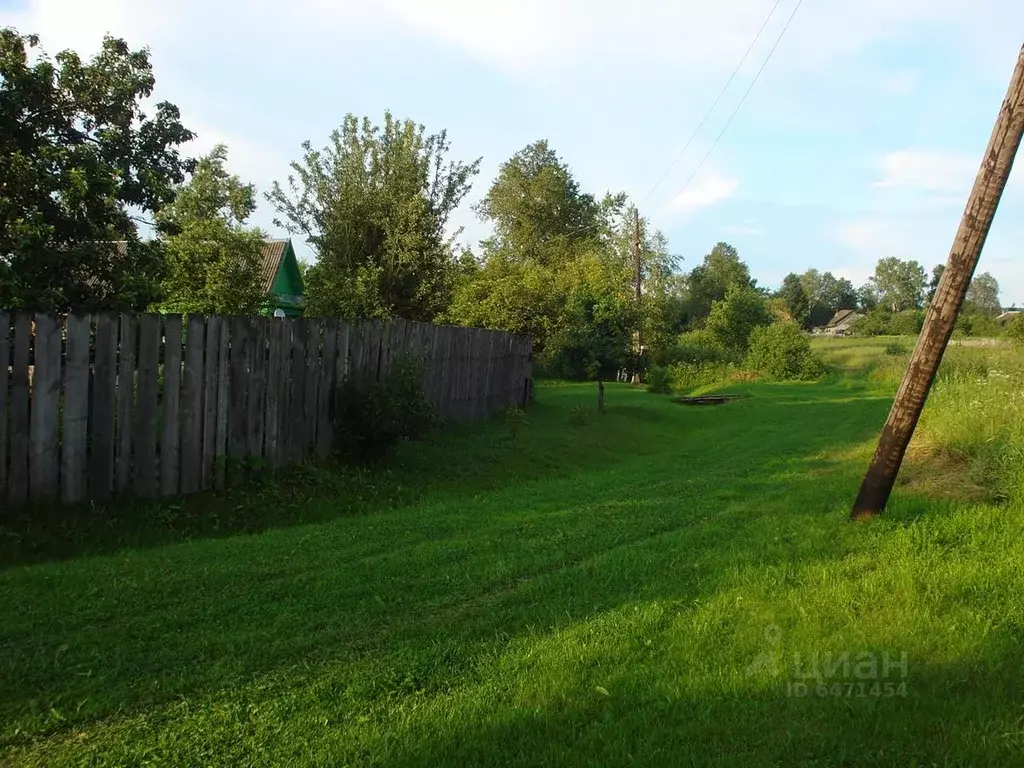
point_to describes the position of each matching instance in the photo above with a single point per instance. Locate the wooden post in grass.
(600, 396)
(945, 306)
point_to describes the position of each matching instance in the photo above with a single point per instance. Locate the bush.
(1015, 331)
(895, 349)
(686, 377)
(371, 419)
(701, 346)
(658, 381)
(882, 322)
(783, 352)
(732, 319)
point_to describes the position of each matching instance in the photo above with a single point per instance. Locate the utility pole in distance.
(639, 278)
(945, 306)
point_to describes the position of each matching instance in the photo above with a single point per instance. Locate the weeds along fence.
(107, 405)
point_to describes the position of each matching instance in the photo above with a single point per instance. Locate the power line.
(718, 98)
(743, 99)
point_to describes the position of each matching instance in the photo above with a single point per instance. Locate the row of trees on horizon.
(84, 166)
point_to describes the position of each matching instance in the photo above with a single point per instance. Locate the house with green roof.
(282, 279)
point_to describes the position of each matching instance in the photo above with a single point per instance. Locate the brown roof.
(839, 317)
(270, 260)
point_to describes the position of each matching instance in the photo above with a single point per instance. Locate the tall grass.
(974, 414)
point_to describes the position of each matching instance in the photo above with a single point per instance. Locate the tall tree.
(77, 154)
(711, 280)
(983, 294)
(213, 258)
(375, 205)
(795, 299)
(900, 284)
(933, 284)
(734, 317)
(537, 209)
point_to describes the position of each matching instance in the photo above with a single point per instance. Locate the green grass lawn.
(648, 587)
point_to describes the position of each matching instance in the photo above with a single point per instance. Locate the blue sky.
(859, 141)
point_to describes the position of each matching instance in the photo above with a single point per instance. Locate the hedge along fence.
(100, 406)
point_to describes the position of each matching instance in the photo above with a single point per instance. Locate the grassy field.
(655, 586)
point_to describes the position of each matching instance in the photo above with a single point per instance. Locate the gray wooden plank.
(170, 402)
(44, 432)
(376, 339)
(75, 433)
(258, 388)
(297, 391)
(5, 366)
(237, 399)
(220, 448)
(192, 406)
(17, 473)
(103, 420)
(144, 468)
(275, 346)
(314, 329)
(355, 353)
(325, 394)
(126, 352)
(344, 341)
(211, 385)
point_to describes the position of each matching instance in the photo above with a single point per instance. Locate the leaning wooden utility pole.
(639, 299)
(945, 306)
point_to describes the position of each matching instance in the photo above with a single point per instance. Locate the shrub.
(370, 419)
(658, 380)
(782, 351)
(686, 377)
(1015, 331)
(732, 319)
(895, 349)
(882, 322)
(701, 346)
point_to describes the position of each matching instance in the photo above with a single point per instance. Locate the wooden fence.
(100, 406)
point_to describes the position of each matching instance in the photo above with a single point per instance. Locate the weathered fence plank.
(75, 430)
(220, 434)
(125, 400)
(275, 347)
(5, 363)
(260, 377)
(297, 390)
(312, 381)
(192, 406)
(211, 388)
(103, 422)
(170, 433)
(144, 469)
(17, 475)
(325, 386)
(238, 405)
(44, 434)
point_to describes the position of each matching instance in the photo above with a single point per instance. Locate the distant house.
(282, 279)
(1007, 316)
(841, 323)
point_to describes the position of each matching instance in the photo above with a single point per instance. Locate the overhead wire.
(750, 88)
(715, 103)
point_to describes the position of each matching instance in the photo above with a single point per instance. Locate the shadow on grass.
(506, 536)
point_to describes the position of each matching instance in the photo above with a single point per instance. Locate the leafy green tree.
(77, 155)
(734, 317)
(794, 298)
(983, 294)
(867, 296)
(933, 284)
(213, 258)
(900, 284)
(826, 295)
(375, 204)
(537, 209)
(711, 280)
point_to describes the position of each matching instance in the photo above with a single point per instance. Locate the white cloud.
(929, 170)
(707, 189)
